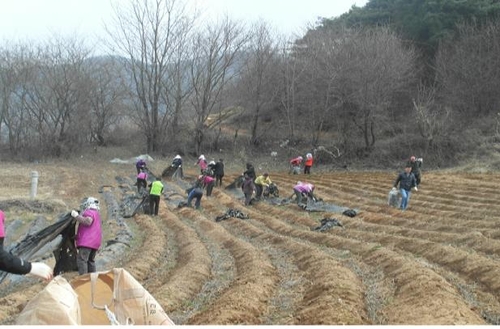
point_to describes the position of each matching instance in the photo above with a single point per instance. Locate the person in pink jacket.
(207, 182)
(2, 227)
(202, 162)
(303, 189)
(142, 181)
(88, 235)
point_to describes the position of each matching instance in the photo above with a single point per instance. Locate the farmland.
(435, 263)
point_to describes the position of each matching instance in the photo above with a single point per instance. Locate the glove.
(416, 189)
(74, 213)
(41, 270)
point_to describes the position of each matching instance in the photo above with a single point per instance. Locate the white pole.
(34, 184)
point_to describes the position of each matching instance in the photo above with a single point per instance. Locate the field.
(435, 263)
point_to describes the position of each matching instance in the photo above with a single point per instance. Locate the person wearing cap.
(88, 235)
(415, 168)
(406, 181)
(295, 165)
(155, 191)
(261, 182)
(308, 163)
(177, 165)
(211, 168)
(219, 172)
(177, 161)
(202, 163)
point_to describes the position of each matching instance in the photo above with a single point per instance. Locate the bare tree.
(377, 66)
(319, 87)
(59, 95)
(214, 65)
(432, 119)
(291, 71)
(259, 83)
(44, 93)
(107, 96)
(13, 66)
(149, 33)
(468, 71)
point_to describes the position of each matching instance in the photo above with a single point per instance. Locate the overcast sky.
(33, 19)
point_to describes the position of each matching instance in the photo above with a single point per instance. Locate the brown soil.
(436, 263)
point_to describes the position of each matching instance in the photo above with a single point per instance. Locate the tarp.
(32, 243)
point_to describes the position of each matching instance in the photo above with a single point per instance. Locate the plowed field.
(435, 263)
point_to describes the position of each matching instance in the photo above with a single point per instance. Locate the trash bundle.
(272, 191)
(349, 213)
(393, 199)
(231, 213)
(327, 223)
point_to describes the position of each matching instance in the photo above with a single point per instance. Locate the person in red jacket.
(308, 164)
(88, 235)
(295, 165)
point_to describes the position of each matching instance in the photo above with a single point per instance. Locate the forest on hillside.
(376, 84)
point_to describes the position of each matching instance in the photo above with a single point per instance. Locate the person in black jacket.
(250, 171)
(15, 265)
(219, 172)
(406, 181)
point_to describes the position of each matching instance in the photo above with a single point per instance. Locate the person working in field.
(140, 164)
(308, 163)
(207, 182)
(2, 228)
(415, 168)
(15, 265)
(88, 235)
(219, 172)
(202, 163)
(248, 188)
(406, 181)
(142, 180)
(156, 189)
(295, 165)
(261, 182)
(303, 189)
(195, 193)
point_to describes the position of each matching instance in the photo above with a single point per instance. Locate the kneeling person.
(261, 182)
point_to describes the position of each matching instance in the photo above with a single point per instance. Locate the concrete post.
(34, 184)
